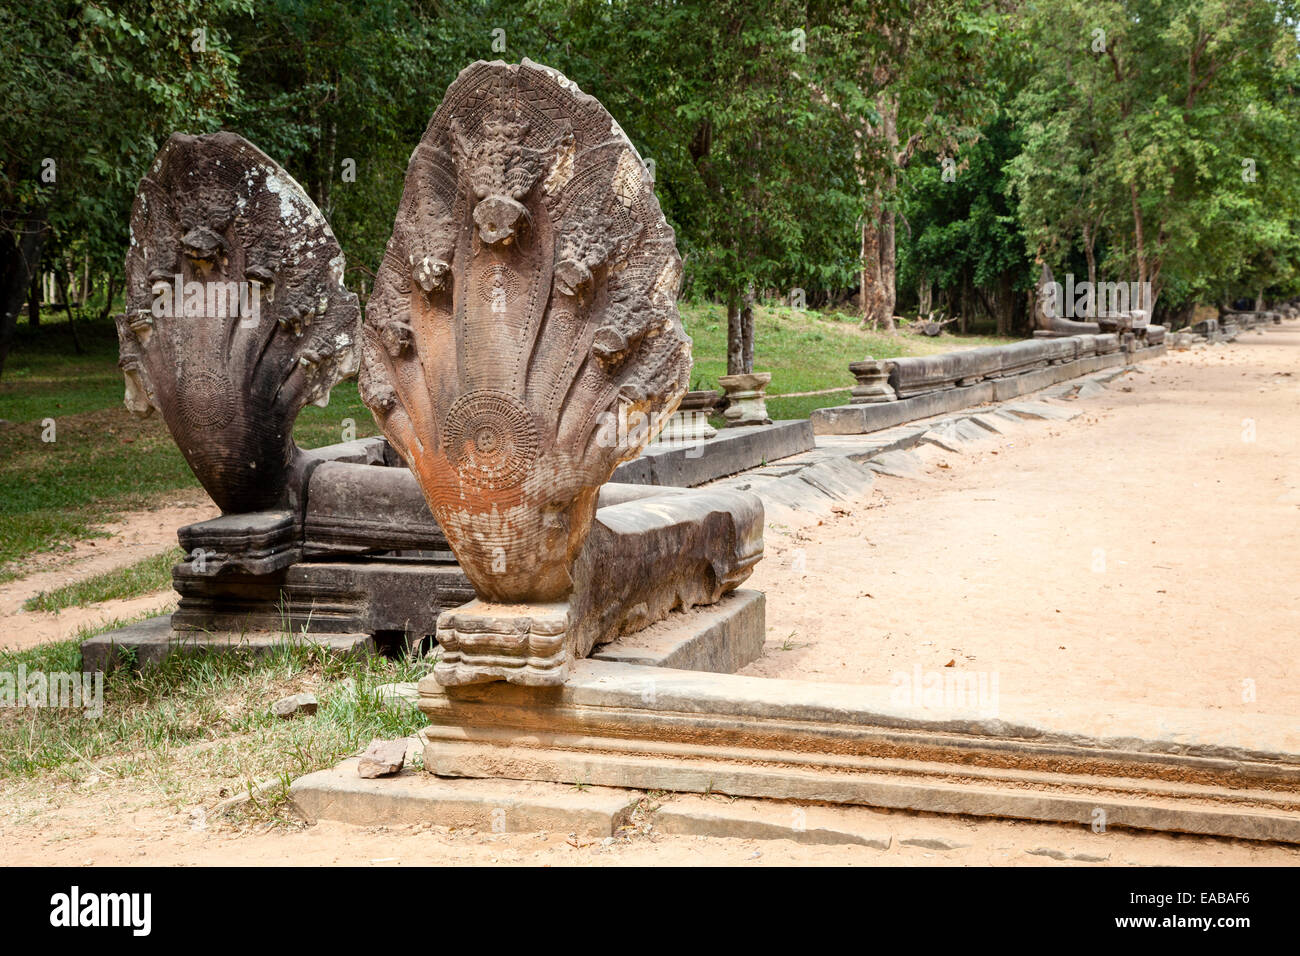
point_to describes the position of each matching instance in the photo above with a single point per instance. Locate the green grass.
(200, 727)
(144, 577)
(105, 461)
(804, 351)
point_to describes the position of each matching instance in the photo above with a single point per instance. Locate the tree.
(90, 94)
(906, 77)
(1142, 119)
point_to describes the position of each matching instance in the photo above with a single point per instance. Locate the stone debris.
(1038, 410)
(398, 695)
(295, 705)
(1056, 854)
(932, 843)
(896, 464)
(382, 758)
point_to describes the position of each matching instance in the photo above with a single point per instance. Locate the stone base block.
(341, 596)
(412, 798)
(810, 825)
(721, 637)
(526, 644)
(261, 542)
(984, 755)
(153, 641)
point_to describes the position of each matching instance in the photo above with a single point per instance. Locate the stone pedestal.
(486, 641)
(747, 402)
(873, 382)
(258, 542)
(690, 423)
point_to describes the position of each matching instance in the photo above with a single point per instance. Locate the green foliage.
(1164, 142)
(96, 89)
(776, 130)
(965, 226)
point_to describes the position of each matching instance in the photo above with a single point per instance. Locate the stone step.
(690, 815)
(499, 806)
(152, 641)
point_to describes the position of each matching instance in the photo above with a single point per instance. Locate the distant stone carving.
(522, 340)
(746, 402)
(236, 313)
(873, 382)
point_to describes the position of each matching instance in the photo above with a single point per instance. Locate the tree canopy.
(868, 152)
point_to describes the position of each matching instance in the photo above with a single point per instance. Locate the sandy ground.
(132, 538)
(106, 824)
(1142, 552)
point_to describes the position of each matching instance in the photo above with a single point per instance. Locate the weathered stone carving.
(873, 382)
(236, 313)
(522, 340)
(690, 423)
(747, 405)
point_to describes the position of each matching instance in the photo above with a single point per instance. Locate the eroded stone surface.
(382, 758)
(236, 313)
(523, 336)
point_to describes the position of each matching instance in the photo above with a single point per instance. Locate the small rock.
(382, 758)
(1056, 854)
(287, 707)
(932, 843)
(398, 695)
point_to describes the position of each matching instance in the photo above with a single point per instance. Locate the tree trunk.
(879, 253)
(965, 302)
(34, 300)
(1138, 242)
(20, 257)
(108, 298)
(879, 295)
(735, 337)
(67, 307)
(747, 331)
(925, 298)
(1006, 303)
(1089, 242)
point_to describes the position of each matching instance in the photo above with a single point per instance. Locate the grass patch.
(144, 577)
(805, 351)
(200, 728)
(804, 405)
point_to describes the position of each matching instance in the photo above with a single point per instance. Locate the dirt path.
(1142, 552)
(133, 537)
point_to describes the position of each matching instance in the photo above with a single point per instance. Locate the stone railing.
(901, 378)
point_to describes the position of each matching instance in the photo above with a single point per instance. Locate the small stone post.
(747, 405)
(873, 382)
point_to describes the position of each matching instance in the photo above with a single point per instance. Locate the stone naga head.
(236, 313)
(523, 337)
